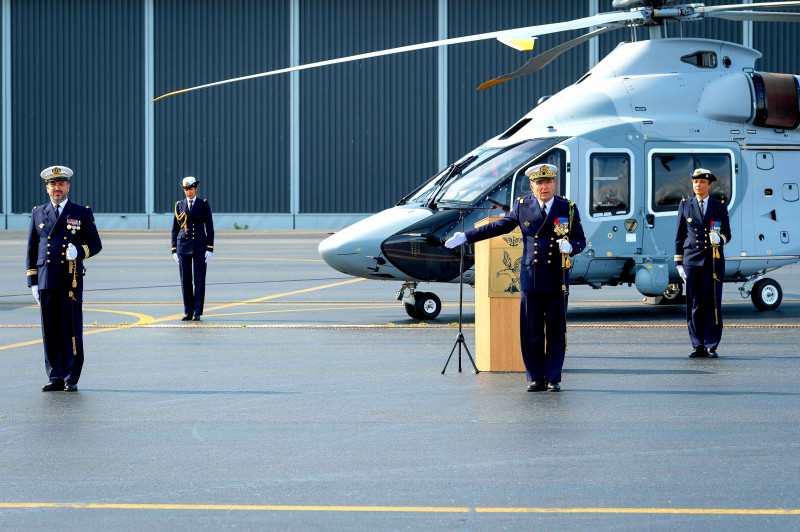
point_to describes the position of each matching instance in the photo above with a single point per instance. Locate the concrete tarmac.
(309, 400)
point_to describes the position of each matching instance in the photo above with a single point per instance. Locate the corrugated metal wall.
(77, 97)
(778, 41)
(475, 116)
(233, 138)
(368, 129)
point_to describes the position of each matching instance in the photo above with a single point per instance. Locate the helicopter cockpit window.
(701, 59)
(522, 185)
(610, 184)
(488, 168)
(671, 181)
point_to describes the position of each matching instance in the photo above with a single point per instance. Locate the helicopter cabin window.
(671, 177)
(610, 184)
(522, 185)
(701, 59)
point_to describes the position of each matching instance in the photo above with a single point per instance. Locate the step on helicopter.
(626, 136)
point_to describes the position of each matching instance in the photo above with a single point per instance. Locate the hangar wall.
(316, 149)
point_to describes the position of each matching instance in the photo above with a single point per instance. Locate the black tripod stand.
(460, 338)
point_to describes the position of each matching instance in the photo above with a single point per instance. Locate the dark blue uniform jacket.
(194, 233)
(692, 240)
(541, 258)
(47, 246)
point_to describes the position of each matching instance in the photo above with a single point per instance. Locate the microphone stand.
(460, 337)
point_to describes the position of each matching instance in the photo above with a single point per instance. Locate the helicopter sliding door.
(774, 199)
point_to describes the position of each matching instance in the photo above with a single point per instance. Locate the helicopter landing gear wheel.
(411, 310)
(428, 305)
(672, 295)
(767, 294)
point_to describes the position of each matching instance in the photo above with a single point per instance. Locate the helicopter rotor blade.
(733, 7)
(759, 16)
(542, 60)
(506, 35)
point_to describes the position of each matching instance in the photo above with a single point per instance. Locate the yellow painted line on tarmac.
(403, 509)
(150, 319)
(296, 310)
(265, 298)
(132, 258)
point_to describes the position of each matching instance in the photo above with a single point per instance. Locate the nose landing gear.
(419, 305)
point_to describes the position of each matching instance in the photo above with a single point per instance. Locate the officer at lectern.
(552, 232)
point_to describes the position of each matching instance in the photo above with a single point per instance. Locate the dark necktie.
(703, 207)
(544, 210)
(58, 211)
(191, 202)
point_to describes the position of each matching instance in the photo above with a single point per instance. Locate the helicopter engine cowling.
(763, 99)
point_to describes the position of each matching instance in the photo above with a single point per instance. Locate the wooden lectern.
(497, 267)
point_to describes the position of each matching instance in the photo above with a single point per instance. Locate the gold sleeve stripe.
(33, 272)
(85, 250)
(678, 257)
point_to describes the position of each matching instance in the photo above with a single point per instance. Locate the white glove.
(177, 260)
(565, 246)
(72, 253)
(208, 255)
(715, 237)
(456, 240)
(681, 272)
(35, 291)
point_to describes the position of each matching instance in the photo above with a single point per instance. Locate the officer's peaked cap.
(540, 172)
(189, 181)
(56, 173)
(702, 173)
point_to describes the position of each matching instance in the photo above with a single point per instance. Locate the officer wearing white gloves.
(192, 246)
(703, 225)
(62, 236)
(540, 216)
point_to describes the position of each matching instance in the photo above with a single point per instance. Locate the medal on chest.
(73, 225)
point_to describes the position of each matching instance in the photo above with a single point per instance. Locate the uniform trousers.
(703, 295)
(542, 328)
(62, 318)
(193, 268)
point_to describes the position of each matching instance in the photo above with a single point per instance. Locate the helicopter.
(625, 137)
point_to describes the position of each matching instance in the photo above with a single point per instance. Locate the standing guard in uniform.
(62, 235)
(551, 227)
(703, 230)
(192, 246)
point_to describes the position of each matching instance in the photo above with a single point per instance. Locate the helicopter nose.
(350, 250)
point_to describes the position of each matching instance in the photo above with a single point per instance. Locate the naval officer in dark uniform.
(544, 220)
(703, 231)
(62, 235)
(192, 246)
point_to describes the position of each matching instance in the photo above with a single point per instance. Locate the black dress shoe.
(713, 354)
(70, 387)
(196, 317)
(187, 317)
(54, 386)
(537, 386)
(553, 387)
(699, 352)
